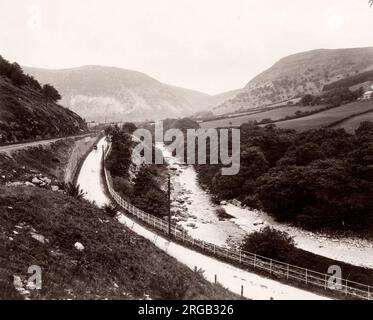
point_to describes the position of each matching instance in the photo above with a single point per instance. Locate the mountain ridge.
(116, 94)
(298, 74)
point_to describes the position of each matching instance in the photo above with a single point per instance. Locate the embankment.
(79, 153)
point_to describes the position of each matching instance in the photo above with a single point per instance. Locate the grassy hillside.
(301, 73)
(40, 227)
(26, 113)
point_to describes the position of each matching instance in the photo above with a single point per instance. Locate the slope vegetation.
(299, 74)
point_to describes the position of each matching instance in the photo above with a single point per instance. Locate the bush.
(252, 202)
(73, 190)
(270, 243)
(111, 209)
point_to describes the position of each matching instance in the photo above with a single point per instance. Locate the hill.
(26, 113)
(98, 93)
(298, 74)
(40, 227)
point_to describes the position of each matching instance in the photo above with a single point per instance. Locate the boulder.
(39, 237)
(78, 246)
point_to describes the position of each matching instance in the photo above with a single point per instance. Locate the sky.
(207, 45)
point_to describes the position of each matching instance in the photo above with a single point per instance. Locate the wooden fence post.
(270, 266)
(346, 287)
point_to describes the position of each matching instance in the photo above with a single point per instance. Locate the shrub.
(252, 202)
(73, 190)
(111, 209)
(270, 243)
(222, 213)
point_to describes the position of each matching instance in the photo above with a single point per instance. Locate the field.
(275, 114)
(327, 117)
(352, 124)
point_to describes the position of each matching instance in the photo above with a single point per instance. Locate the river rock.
(46, 180)
(14, 184)
(35, 180)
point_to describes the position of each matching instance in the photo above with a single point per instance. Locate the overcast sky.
(207, 45)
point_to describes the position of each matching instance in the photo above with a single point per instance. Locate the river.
(193, 210)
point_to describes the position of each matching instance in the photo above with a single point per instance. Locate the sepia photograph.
(186, 157)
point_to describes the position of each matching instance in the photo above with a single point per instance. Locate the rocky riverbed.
(193, 211)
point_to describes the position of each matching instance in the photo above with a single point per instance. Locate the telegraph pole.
(169, 205)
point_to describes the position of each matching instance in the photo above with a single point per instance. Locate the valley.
(303, 189)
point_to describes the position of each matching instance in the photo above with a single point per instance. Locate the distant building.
(367, 95)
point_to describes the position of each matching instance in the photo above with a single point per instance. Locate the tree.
(336, 101)
(270, 243)
(50, 93)
(16, 76)
(306, 100)
(129, 127)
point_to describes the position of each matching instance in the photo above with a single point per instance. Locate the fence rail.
(274, 267)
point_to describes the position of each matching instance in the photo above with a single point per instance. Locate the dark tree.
(269, 243)
(50, 93)
(306, 100)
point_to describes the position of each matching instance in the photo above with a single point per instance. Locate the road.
(13, 147)
(254, 286)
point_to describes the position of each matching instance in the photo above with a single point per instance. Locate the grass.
(325, 118)
(275, 114)
(116, 263)
(350, 125)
